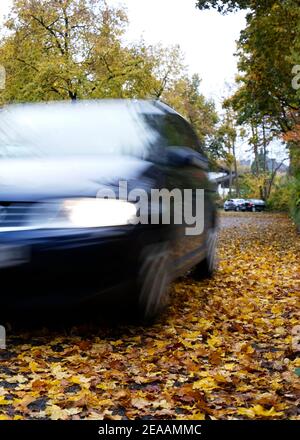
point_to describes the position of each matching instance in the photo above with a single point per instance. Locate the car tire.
(153, 282)
(207, 267)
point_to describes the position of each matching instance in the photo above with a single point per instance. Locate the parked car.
(255, 205)
(60, 243)
(235, 205)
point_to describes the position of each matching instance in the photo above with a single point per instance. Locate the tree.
(224, 6)
(53, 48)
(267, 51)
(69, 49)
(184, 96)
(228, 133)
(169, 68)
(267, 101)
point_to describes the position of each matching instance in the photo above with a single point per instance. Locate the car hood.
(36, 179)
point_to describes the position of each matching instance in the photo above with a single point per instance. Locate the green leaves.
(185, 96)
(224, 6)
(75, 50)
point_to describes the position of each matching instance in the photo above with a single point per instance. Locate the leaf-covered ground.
(227, 348)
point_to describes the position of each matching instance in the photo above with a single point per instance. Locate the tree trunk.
(237, 185)
(264, 148)
(255, 148)
(230, 181)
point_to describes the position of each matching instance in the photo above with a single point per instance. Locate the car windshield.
(81, 129)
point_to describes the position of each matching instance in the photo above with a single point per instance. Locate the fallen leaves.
(259, 411)
(228, 348)
(206, 384)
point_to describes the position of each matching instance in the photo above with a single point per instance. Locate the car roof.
(140, 106)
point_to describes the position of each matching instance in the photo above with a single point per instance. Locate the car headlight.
(93, 213)
(87, 213)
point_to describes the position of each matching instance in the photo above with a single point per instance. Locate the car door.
(187, 175)
(231, 204)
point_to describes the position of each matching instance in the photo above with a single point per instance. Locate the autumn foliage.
(226, 348)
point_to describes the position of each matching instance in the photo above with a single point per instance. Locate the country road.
(225, 349)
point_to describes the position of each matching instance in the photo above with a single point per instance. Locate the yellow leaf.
(214, 341)
(206, 384)
(4, 417)
(116, 343)
(106, 386)
(259, 411)
(140, 403)
(196, 416)
(79, 380)
(56, 413)
(3, 401)
(33, 366)
(230, 366)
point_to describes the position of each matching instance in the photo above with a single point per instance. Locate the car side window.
(180, 134)
(173, 131)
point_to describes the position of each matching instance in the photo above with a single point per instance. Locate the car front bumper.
(63, 267)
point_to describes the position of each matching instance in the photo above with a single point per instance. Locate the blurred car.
(255, 205)
(60, 244)
(235, 205)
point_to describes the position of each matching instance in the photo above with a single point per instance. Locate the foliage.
(224, 6)
(265, 102)
(73, 49)
(186, 98)
(222, 351)
(295, 201)
(228, 134)
(281, 195)
(168, 69)
(266, 62)
(251, 185)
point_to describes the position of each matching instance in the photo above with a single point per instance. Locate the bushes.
(250, 186)
(281, 195)
(295, 201)
(285, 196)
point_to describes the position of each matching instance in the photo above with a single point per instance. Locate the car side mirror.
(183, 156)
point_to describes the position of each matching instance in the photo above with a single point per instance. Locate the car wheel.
(207, 267)
(237, 209)
(153, 281)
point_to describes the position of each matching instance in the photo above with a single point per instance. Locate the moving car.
(255, 205)
(235, 205)
(61, 241)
